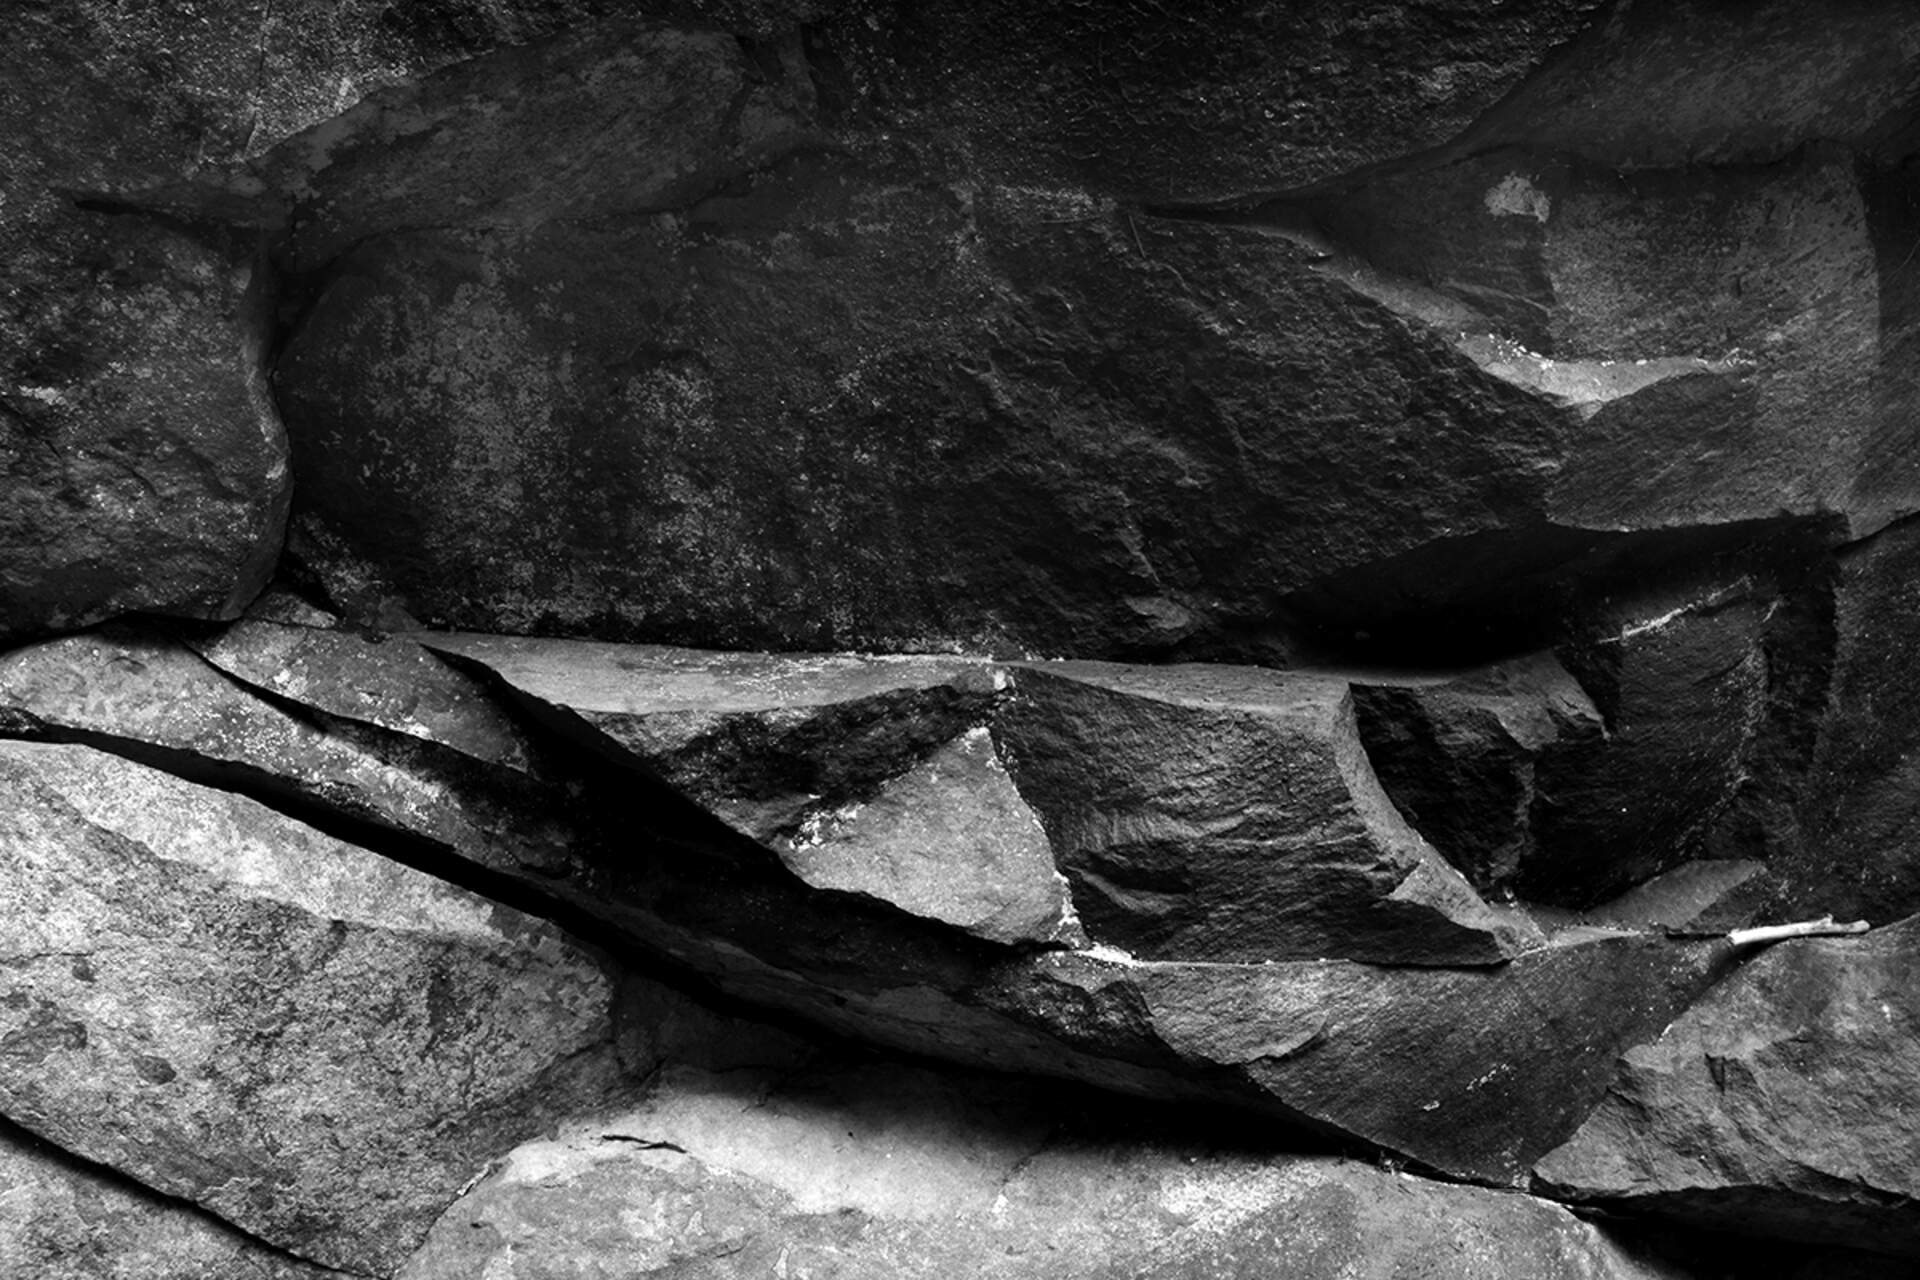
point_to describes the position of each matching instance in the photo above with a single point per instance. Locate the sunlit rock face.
(849, 638)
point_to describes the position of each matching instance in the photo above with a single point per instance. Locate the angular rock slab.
(1682, 684)
(315, 1043)
(1230, 813)
(881, 1170)
(66, 1220)
(143, 693)
(873, 775)
(389, 683)
(1783, 1104)
(1457, 756)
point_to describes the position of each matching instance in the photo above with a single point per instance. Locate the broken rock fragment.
(874, 775)
(1780, 1104)
(1458, 756)
(307, 1039)
(1230, 813)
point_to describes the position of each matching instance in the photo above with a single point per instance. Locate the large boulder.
(315, 1043)
(874, 399)
(873, 1169)
(1782, 1104)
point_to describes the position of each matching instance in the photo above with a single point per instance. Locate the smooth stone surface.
(1781, 1104)
(313, 1042)
(872, 1170)
(950, 840)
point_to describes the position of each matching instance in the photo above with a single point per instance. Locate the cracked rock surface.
(602, 604)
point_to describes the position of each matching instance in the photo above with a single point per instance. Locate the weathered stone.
(140, 693)
(877, 1170)
(1515, 1054)
(612, 118)
(388, 682)
(70, 1221)
(142, 464)
(869, 775)
(313, 1042)
(1182, 105)
(1714, 895)
(796, 442)
(1457, 755)
(66, 1220)
(1661, 85)
(1229, 813)
(1852, 850)
(1767, 278)
(1781, 1104)
(768, 742)
(951, 840)
(1682, 685)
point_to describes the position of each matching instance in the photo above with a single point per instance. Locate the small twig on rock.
(1821, 928)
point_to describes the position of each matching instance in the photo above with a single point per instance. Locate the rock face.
(1779, 1105)
(1292, 567)
(313, 1042)
(1459, 757)
(68, 1221)
(1222, 813)
(861, 1170)
(142, 463)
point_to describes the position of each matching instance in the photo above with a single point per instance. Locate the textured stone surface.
(1229, 813)
(1168, 104)
(1696, 82)
(1458, 755)
(1852, 850)
(387, 682)
(311, 1041)
(1682, 684)
(67, 1220)
(490, 436)
(140, 692)
(873, 1170)
(1781, 1104)
(142, 463)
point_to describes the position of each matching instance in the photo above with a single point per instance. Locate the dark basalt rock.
(1778, 1105)
(983, 439)
(1682, 684)
(315, 1043)
(1458, 756)
(1229, 813)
